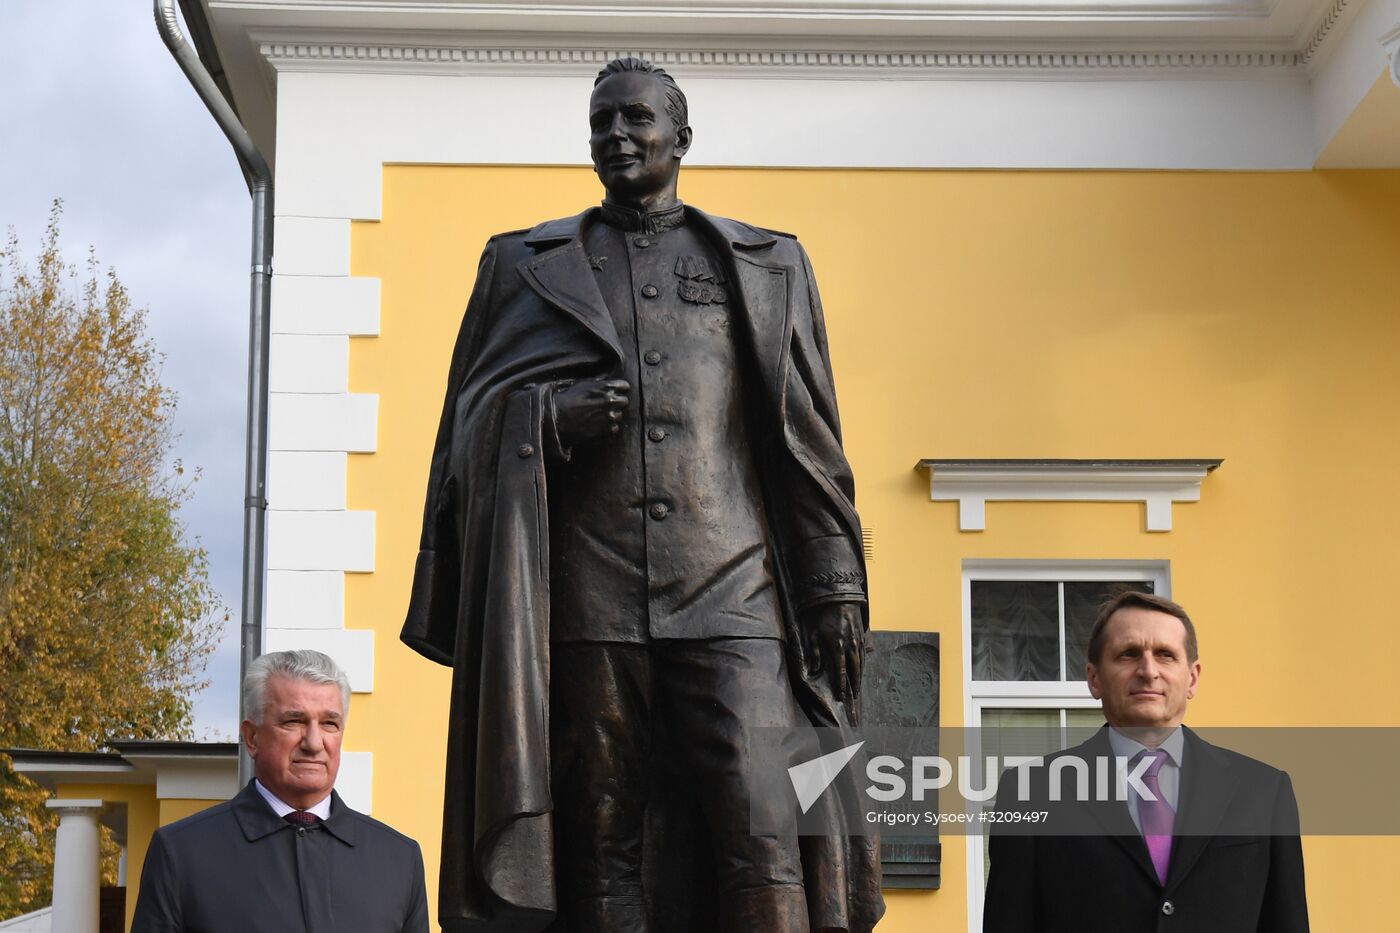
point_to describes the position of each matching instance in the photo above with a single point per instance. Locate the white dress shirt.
(322, 808)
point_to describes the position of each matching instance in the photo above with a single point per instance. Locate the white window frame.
(983, 694)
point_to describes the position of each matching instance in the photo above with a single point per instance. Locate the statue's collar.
(553, 233)
(635, 221)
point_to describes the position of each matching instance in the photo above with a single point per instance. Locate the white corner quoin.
(1154, 483)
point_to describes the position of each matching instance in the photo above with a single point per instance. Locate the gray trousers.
(638, 730)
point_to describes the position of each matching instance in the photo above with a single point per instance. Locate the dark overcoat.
(237, 867)
(1236, 863)
(480, 597)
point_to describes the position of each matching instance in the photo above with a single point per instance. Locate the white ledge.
(1112, 62)
(1154, 483)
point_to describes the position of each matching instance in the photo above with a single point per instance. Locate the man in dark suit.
(286, 855)
(1168, 832)
(639, 545)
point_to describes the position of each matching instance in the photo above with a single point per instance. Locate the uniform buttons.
(525, 450)
(652, 357)
(650, 291)
(1168, 908)
(642, 242)
(656, 434)
(659, 511)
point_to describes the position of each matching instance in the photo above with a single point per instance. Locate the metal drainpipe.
(255, 474)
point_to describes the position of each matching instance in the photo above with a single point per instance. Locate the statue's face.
(636, 147)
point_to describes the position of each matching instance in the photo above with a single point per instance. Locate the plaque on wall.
(900, 691)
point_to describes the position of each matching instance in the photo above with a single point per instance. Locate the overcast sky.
(96, 112)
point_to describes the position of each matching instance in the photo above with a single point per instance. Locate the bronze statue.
(639, 543)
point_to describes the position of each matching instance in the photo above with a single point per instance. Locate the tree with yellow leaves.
(107, 617)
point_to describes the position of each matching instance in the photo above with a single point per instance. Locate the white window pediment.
(1155, 483)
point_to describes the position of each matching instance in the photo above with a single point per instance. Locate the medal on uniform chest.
(700, 283)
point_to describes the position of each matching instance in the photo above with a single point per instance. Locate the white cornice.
(1105, 37)
(286, 54)
(1096, 38)
(997, 11)
(1328, 26)
(1154, 483)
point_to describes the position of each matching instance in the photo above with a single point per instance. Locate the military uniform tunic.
(660, 531)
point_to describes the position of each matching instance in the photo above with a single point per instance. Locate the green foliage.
(107, 617)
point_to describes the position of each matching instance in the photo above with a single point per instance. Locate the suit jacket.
(1236, 863)
(480, 596)
(239, 868)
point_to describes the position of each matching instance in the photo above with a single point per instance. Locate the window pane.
(1020, 732)
(1080, 724)
(1015, 630)
(1007, 732)
(1082, 602)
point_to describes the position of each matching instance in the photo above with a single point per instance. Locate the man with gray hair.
(286, 854)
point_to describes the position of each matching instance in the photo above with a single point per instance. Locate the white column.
(75, 866)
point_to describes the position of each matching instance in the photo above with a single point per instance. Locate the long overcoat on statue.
(480, 597)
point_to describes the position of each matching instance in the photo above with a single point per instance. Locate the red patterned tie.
(302, 818)
(1156, 817)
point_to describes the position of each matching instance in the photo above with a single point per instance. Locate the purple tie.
(1155, 817)
(302, 818)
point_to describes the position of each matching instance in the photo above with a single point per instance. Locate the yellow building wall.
(177, 808)
(1004, 315)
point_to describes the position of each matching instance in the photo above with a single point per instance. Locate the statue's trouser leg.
(711, 694)
(600, 711)
(775, 907)
(708, 695)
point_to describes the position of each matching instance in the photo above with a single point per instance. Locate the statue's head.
(639, 132)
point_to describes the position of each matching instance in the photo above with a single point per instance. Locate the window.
(1025, 643)
(1037, 631)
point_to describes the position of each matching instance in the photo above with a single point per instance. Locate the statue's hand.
(590, 409)
(836, 646)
